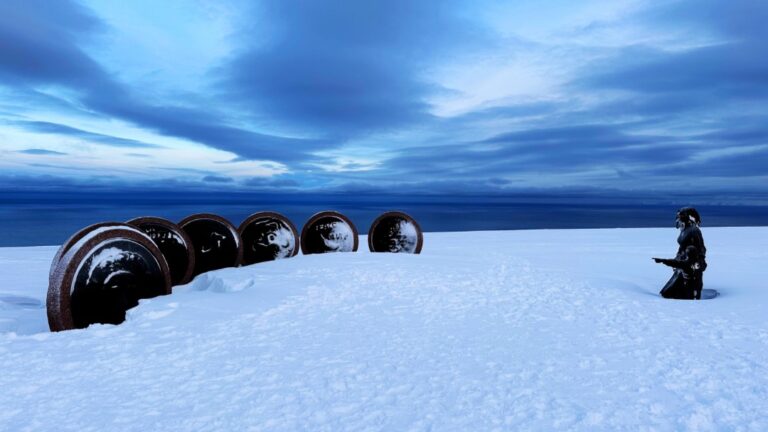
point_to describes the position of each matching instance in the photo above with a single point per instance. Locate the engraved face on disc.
(173, 242)
(268, 236)
(103, 275)
(328, 232)
(395, 232)
(216, 242)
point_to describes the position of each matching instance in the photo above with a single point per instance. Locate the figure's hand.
(658, 260)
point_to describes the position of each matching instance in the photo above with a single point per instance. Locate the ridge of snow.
(515, 330)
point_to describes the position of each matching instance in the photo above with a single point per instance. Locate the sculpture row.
(104, 269)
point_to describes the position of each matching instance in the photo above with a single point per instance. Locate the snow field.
(516, 330)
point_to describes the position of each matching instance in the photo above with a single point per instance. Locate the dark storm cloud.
(39, 44)
(41, 152)
(342, 67)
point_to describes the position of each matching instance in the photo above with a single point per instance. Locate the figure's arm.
(671, 262)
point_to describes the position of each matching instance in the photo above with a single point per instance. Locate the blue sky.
(401, 95)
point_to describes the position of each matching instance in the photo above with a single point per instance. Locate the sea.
(49, 218)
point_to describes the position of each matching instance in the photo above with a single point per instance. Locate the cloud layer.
(406, 95)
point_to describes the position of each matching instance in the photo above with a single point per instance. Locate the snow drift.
(517, 330)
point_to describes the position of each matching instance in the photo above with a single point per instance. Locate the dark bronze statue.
(690, 262)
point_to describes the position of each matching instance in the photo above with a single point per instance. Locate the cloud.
(270, 183)
(564, 149)
(740, 165)
(733, 70)
(342, 68)
(217, 179)
(59, 129)
(42, 152)
(39, 43)
(337, 92)
(57, 59)
(724, 73)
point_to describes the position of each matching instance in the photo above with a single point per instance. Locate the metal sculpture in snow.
(689, 262)
(395, 232)
(216, 242)
(268, 236)
(328, 231)
(173, 242)
(73, 240)
(102, 275)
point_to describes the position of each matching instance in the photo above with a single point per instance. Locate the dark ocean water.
(49, 219)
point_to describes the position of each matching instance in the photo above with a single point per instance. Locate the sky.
(404, 96)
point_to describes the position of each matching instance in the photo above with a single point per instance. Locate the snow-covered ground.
(516, 330)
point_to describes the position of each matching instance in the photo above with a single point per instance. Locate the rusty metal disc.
(268, 236)
(215, 240)
(328, 231)
(173, 242)
(104, 274)
(395, 232)
(74, 239)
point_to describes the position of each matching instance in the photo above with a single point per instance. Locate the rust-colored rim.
(399, 214)
(270, 214)
(74, 239)
(327, 213)
(58, 302)
(226, 223)
(170, 226)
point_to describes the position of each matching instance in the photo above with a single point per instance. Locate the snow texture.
(525, 330)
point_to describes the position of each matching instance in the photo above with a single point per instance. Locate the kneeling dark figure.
(686, 281)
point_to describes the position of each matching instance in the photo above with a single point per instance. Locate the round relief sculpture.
(268, 236)
(215, 241)
(104, 274)
(173, 242)
(395, 232)
(328, 231)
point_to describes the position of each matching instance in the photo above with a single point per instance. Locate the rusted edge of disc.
(419, 242)
(58, 302)
(226, 223)
(328, 213)
(74, 239)
(137, 222)
(265, 214)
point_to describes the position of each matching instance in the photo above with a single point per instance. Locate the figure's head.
(687, 216)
